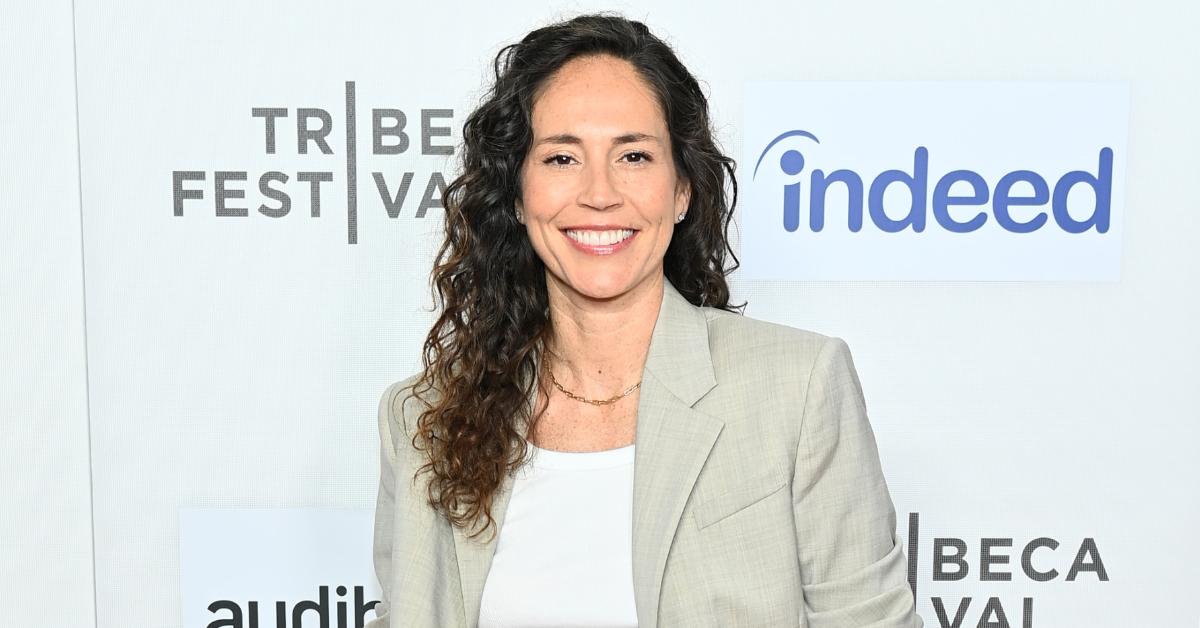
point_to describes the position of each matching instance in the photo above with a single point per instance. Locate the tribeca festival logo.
(224, 192)
(954, 560)
(916, 180)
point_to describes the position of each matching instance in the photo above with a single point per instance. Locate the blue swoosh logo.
(775, 141)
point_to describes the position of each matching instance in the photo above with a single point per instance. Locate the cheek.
(666, 208)
(541, 195)
(655, 197)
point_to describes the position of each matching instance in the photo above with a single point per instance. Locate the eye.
(554, 160)
(562, 160)
(643, 157)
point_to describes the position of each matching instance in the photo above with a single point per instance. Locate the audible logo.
(276, 567)
(303, 613)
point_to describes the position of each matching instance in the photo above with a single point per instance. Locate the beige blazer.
(758, 499)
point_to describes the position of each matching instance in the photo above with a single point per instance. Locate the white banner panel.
(45, 488)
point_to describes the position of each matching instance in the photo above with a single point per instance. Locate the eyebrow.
(567, 138)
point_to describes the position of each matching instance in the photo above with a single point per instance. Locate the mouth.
(600, 242)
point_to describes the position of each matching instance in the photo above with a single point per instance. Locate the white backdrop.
(176, 385)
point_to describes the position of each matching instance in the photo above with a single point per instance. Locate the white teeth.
(599, 238)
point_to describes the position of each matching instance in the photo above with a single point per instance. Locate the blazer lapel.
(673, 441)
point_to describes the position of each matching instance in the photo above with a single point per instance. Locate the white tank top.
(564, 557)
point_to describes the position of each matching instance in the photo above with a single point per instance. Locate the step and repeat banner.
(989, 203)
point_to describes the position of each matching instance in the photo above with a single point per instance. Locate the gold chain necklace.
(596, 402)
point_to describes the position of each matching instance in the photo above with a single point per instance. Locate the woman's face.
(599, 190)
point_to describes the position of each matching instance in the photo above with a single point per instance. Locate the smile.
(600, 242)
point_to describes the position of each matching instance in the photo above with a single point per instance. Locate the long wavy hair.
(482, 353)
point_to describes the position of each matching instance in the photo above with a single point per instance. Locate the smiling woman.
(644, 454)
(600, 180)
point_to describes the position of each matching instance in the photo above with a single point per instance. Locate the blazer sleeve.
(852, 564)
(385, 507)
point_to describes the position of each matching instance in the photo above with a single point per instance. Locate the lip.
(595, 227)
(599, 249)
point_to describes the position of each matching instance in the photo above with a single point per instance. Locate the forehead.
(599, 94)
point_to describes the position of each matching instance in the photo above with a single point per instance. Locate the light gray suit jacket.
(758, 500)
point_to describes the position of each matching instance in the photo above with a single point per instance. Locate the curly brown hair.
(482, 354)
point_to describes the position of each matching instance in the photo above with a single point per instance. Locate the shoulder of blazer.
(398, 412)
(768, 340)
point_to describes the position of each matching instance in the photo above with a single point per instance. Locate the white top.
(564, 557)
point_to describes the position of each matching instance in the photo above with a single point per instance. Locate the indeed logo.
(1016, 189)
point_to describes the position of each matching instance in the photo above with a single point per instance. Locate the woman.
(586, 318)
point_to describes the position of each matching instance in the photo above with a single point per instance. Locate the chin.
(605, 288)
(602, 291)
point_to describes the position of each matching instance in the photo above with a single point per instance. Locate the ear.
(683, 195)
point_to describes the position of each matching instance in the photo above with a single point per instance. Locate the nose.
(598, 190)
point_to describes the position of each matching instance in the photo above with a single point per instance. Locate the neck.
(598, 347)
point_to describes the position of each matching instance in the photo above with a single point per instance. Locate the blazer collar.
(672, 443)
